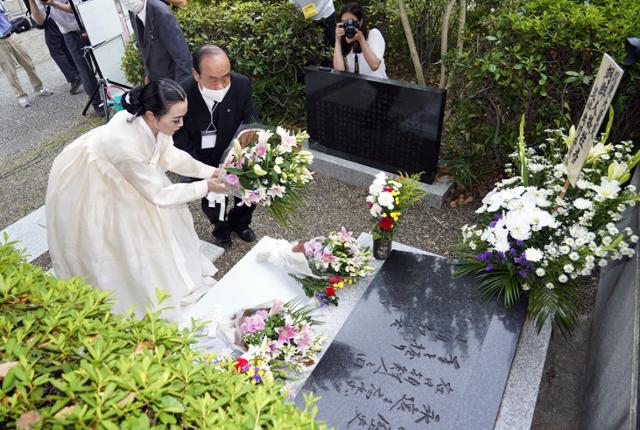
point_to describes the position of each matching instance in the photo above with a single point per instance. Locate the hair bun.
(131, 101)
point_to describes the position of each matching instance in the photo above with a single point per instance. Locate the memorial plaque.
(419, 350)
(382, 123)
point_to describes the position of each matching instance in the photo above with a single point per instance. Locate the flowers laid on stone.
(277, 340)
(388, 199)
(269, 169)
(532, 242)
(336, 259)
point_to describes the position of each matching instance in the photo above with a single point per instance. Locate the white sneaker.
(24, 101)
(44, 92)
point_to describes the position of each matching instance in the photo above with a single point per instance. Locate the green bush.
(538, 58)
(74, 364)
(270, 42)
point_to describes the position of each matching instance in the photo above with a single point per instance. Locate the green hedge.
(74, 364)
(538, 58)
(269, 41)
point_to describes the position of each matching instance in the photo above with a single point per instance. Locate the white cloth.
(143, 13)
(66, 21)
(115, 218)
(281, 255)
(376, 43)
(324, 7)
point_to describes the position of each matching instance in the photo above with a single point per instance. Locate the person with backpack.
(10, 51)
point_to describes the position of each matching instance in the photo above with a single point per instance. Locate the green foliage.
(74, 364)
(270, 42)
(425, 18)
(132, 63)
(536, 57)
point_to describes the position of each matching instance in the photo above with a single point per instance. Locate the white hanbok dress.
(115, 218)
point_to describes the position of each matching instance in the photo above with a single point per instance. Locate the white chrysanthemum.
(607, 240)
(540, 272)
(533, 254)
(634, 239)
(472, 245)
(549, 286)
(568, 268)
(386, 199)
(563, 278)
(525, 287)
(375, 210)
(582, 204)
(574, 256)
(564, 249)
(602, 262)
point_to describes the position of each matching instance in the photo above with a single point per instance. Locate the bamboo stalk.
(415, 58)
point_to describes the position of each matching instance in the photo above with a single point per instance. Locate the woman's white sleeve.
(180, 162)
(149, 183)
(376, 43)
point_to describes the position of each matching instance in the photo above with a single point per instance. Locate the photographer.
(358, 49)
(61, 12)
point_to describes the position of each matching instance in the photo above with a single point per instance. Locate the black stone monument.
(419, 350)
(382, 123)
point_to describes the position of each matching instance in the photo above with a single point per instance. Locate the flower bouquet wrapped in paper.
(269, 168)
(275, 337)
(336, 260)
(531, 240)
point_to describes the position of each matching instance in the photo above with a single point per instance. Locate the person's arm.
(249, 111)
(338, 57)
(65, 7)
(373, 49)
(180, 162)
(36, 13)
(173, 39)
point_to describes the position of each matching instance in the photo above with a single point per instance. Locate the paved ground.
(30, 139)
(23, 130)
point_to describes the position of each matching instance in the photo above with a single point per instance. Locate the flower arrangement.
(277, 339)
(389, 198)
(337, 259)
(532, 241)
(270, 169)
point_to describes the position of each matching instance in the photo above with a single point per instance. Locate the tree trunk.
(445, 41)
(463, 18)
(412, 46)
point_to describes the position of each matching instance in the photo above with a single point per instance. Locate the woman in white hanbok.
(113, 216)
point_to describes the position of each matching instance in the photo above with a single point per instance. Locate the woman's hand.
(359, 37)
(339, 31)
(215, 185)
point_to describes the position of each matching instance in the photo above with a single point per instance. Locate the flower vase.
(382, 248)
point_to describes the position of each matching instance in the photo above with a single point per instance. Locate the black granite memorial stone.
(419, 350)
(381, 123)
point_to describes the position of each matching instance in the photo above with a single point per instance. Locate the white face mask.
(134, 6)
(215, 95)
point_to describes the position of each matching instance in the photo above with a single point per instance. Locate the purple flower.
(286, 333)
(512, 251)
(232, 180)
(327, 258)
(260, 150)
(249, 198)
(501, 254)
(252, 324)
(518, 242)
(484, 256)
(312, 248)
(523, 273)
(489, 267)
(322, 298)
(344, 234)
(495, 221)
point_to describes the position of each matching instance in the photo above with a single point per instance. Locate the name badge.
(309, 10)
(208, 139)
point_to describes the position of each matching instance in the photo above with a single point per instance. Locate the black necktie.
(140, 29)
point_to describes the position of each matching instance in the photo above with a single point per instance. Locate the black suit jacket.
(235, 109)
(165, 52)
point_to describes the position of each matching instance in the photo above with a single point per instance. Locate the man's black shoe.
(76, 87)
(222, 243)
(247, 235)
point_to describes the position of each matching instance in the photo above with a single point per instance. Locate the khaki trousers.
(12, 52)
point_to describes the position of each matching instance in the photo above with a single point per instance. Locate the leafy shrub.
(536, 57)
(72, 363)
(270, 42)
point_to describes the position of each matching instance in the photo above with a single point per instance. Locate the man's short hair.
(204, 51)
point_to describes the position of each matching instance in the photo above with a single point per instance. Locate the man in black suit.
(165, 52)
(219, 102)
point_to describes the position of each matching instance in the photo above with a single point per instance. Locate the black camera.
(351, 27)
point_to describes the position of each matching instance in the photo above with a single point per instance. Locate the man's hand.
(215, 185)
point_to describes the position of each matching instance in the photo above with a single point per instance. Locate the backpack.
(20, 24)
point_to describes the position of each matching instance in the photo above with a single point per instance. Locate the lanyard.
(211, 124)
(357, 65)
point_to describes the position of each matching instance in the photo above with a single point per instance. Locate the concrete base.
(360, 175)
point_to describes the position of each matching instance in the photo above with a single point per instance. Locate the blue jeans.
(75, 43)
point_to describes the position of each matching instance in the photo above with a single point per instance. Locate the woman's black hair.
(355, 9)
(155, 97)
